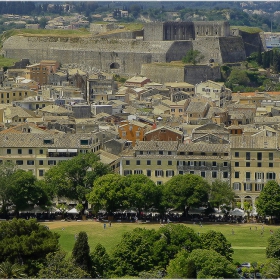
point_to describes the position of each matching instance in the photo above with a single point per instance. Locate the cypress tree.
(81, 252)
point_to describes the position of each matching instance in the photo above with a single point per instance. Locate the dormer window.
(48, 141)
(84, 141)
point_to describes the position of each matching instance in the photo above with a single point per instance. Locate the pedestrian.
(256, 228)
(110, 223)
(232, 232)
(250, 228)
(104, 226)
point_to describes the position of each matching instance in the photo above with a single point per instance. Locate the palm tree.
(9, 271)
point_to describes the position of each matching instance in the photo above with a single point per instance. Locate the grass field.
(249, 245)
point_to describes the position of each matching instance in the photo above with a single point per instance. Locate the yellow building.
(38, 152)
(9, 95)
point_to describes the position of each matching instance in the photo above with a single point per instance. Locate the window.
(259, 187)
(270, 176)
(215, 154)
(170, 162)
(159, 173)
(214, 174)
(259, 164)
(248, 176)
(127, 172)
(172, 110)
(41, 162)
(248, 164)
(191, 172)
(191, 163)
(137, 134)
(236, 154)
(9, 151)
(138, 162)
(270, 156)
(159, 183)
(247, 187)
(202, 163)
(259, 176)
(225, 163)
(236, 174)
(149, 173)
(259, 156)
(148, 162)
(51, 162)
(160, 152)
(19, 162)
(127, 162)
(30, 151)
(225, 174)
(270, 164)
(41, 173)
(248, 156)
(202, 153)
(158, 162)
(30, 162)
(169, 173)
(48, 141)
(141, 152)
(237, 186)
(236, 164)
(138, 171)
(170, 153)
(214, 163)
(203, 174)
(84, 142)
(180, 110)
(19, 151)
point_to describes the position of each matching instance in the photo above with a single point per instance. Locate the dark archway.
(114, 65)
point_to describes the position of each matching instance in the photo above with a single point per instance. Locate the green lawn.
(249, 245)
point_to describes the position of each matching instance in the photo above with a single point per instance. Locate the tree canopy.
(193, 57)
(184, 191)
(268, 203)
(213, 240)
(220, 193)
(26, 242)
(108, 193)
(74, 178)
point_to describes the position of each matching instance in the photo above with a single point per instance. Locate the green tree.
(193, 57)
(210, 264)
(273, 247)
(10, 271)
(24, 190)
(57, 266)
(220, 193)
(213, 240)
(238, 77)
(271, 269)
(134, 253)
(108, 193)
(43, 22)
(178, 237)
(6, 171)
(268, 203)
(74, 178)
(141, 192)
(81, 252)
(26, 242)
(180, 268)
(101, 262)
(185, 191)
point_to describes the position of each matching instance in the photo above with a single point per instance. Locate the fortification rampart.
(192, 74)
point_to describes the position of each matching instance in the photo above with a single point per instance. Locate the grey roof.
(254, 142)
(196, 107)
(34, 140)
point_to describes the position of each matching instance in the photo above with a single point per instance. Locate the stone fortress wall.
(124, 52)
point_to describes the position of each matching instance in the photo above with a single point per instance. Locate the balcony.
(62, 153)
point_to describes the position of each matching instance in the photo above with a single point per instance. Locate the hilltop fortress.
(129, 52)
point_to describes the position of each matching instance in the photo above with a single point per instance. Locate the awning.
(51, 150)
(72, 150)
(61, 150)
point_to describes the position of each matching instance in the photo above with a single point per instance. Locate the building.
(164, 133)
(137, 81)
(40, 151)
(9, 95)
(100, 86)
